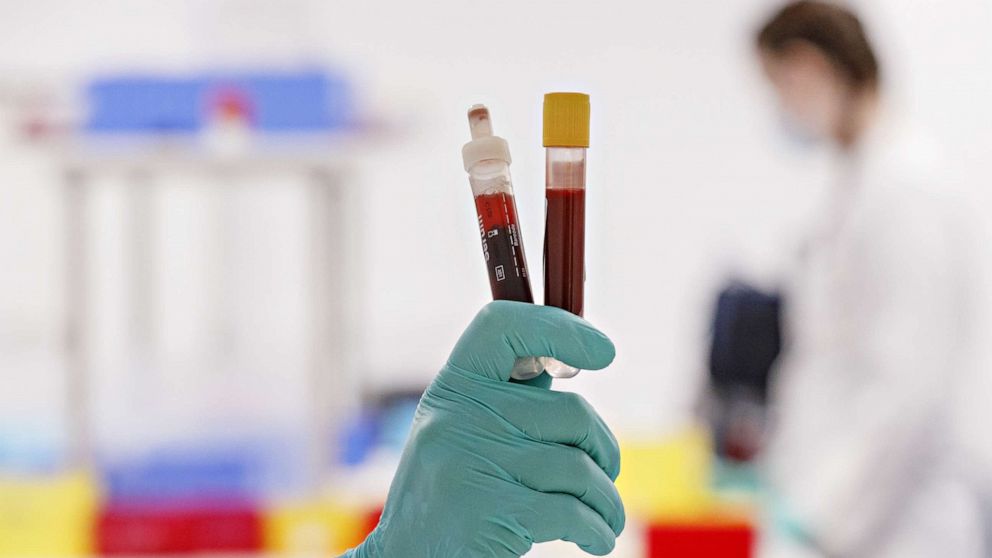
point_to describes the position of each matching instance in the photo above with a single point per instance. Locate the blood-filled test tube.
(487, 161)
(566, 138)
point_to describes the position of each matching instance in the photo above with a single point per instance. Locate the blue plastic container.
(277, 102)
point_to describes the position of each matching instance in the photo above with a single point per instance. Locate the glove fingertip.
(621, 523)
(601, 548)
(602, 351)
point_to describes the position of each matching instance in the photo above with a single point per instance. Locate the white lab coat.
(860, 452)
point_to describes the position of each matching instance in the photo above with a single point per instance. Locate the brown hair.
(835, 31)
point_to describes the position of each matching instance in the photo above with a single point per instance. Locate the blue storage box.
(277, 102)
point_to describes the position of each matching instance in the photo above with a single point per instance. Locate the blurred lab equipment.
(124, 530)
(487, 160)
(175, 129)
(206, 247)
(746, 342)
(566, 138)
(492, 467)
(34, 508)
(381, 423)
(668, 485)
(293, 102)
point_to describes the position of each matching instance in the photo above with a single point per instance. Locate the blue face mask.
(797, 136)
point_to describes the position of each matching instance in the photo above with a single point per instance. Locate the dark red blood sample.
(502, 248)
(564, 248)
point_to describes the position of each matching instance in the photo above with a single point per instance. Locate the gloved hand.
(492, 467)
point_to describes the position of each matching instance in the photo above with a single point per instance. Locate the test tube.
(487, 161)
(566, 137)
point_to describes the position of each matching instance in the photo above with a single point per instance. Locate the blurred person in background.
(859, 460)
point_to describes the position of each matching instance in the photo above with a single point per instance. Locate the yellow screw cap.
(566, 120)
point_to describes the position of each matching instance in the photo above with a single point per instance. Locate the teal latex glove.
(782, 522)
(492, 467)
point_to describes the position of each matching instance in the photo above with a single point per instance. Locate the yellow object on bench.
(47, 516)
(314, 528)
(667, 479)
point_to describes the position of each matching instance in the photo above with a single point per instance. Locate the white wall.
(688, 179)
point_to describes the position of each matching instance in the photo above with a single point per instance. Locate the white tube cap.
(485, 148)
(484, 145)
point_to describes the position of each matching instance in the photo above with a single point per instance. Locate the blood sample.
(502, 248)
(487, 160)
(564, 254)
(566, 137)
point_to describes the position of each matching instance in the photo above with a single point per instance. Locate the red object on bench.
(732, 540)
(178, 530)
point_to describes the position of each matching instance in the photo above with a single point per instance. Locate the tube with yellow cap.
(566, 137)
